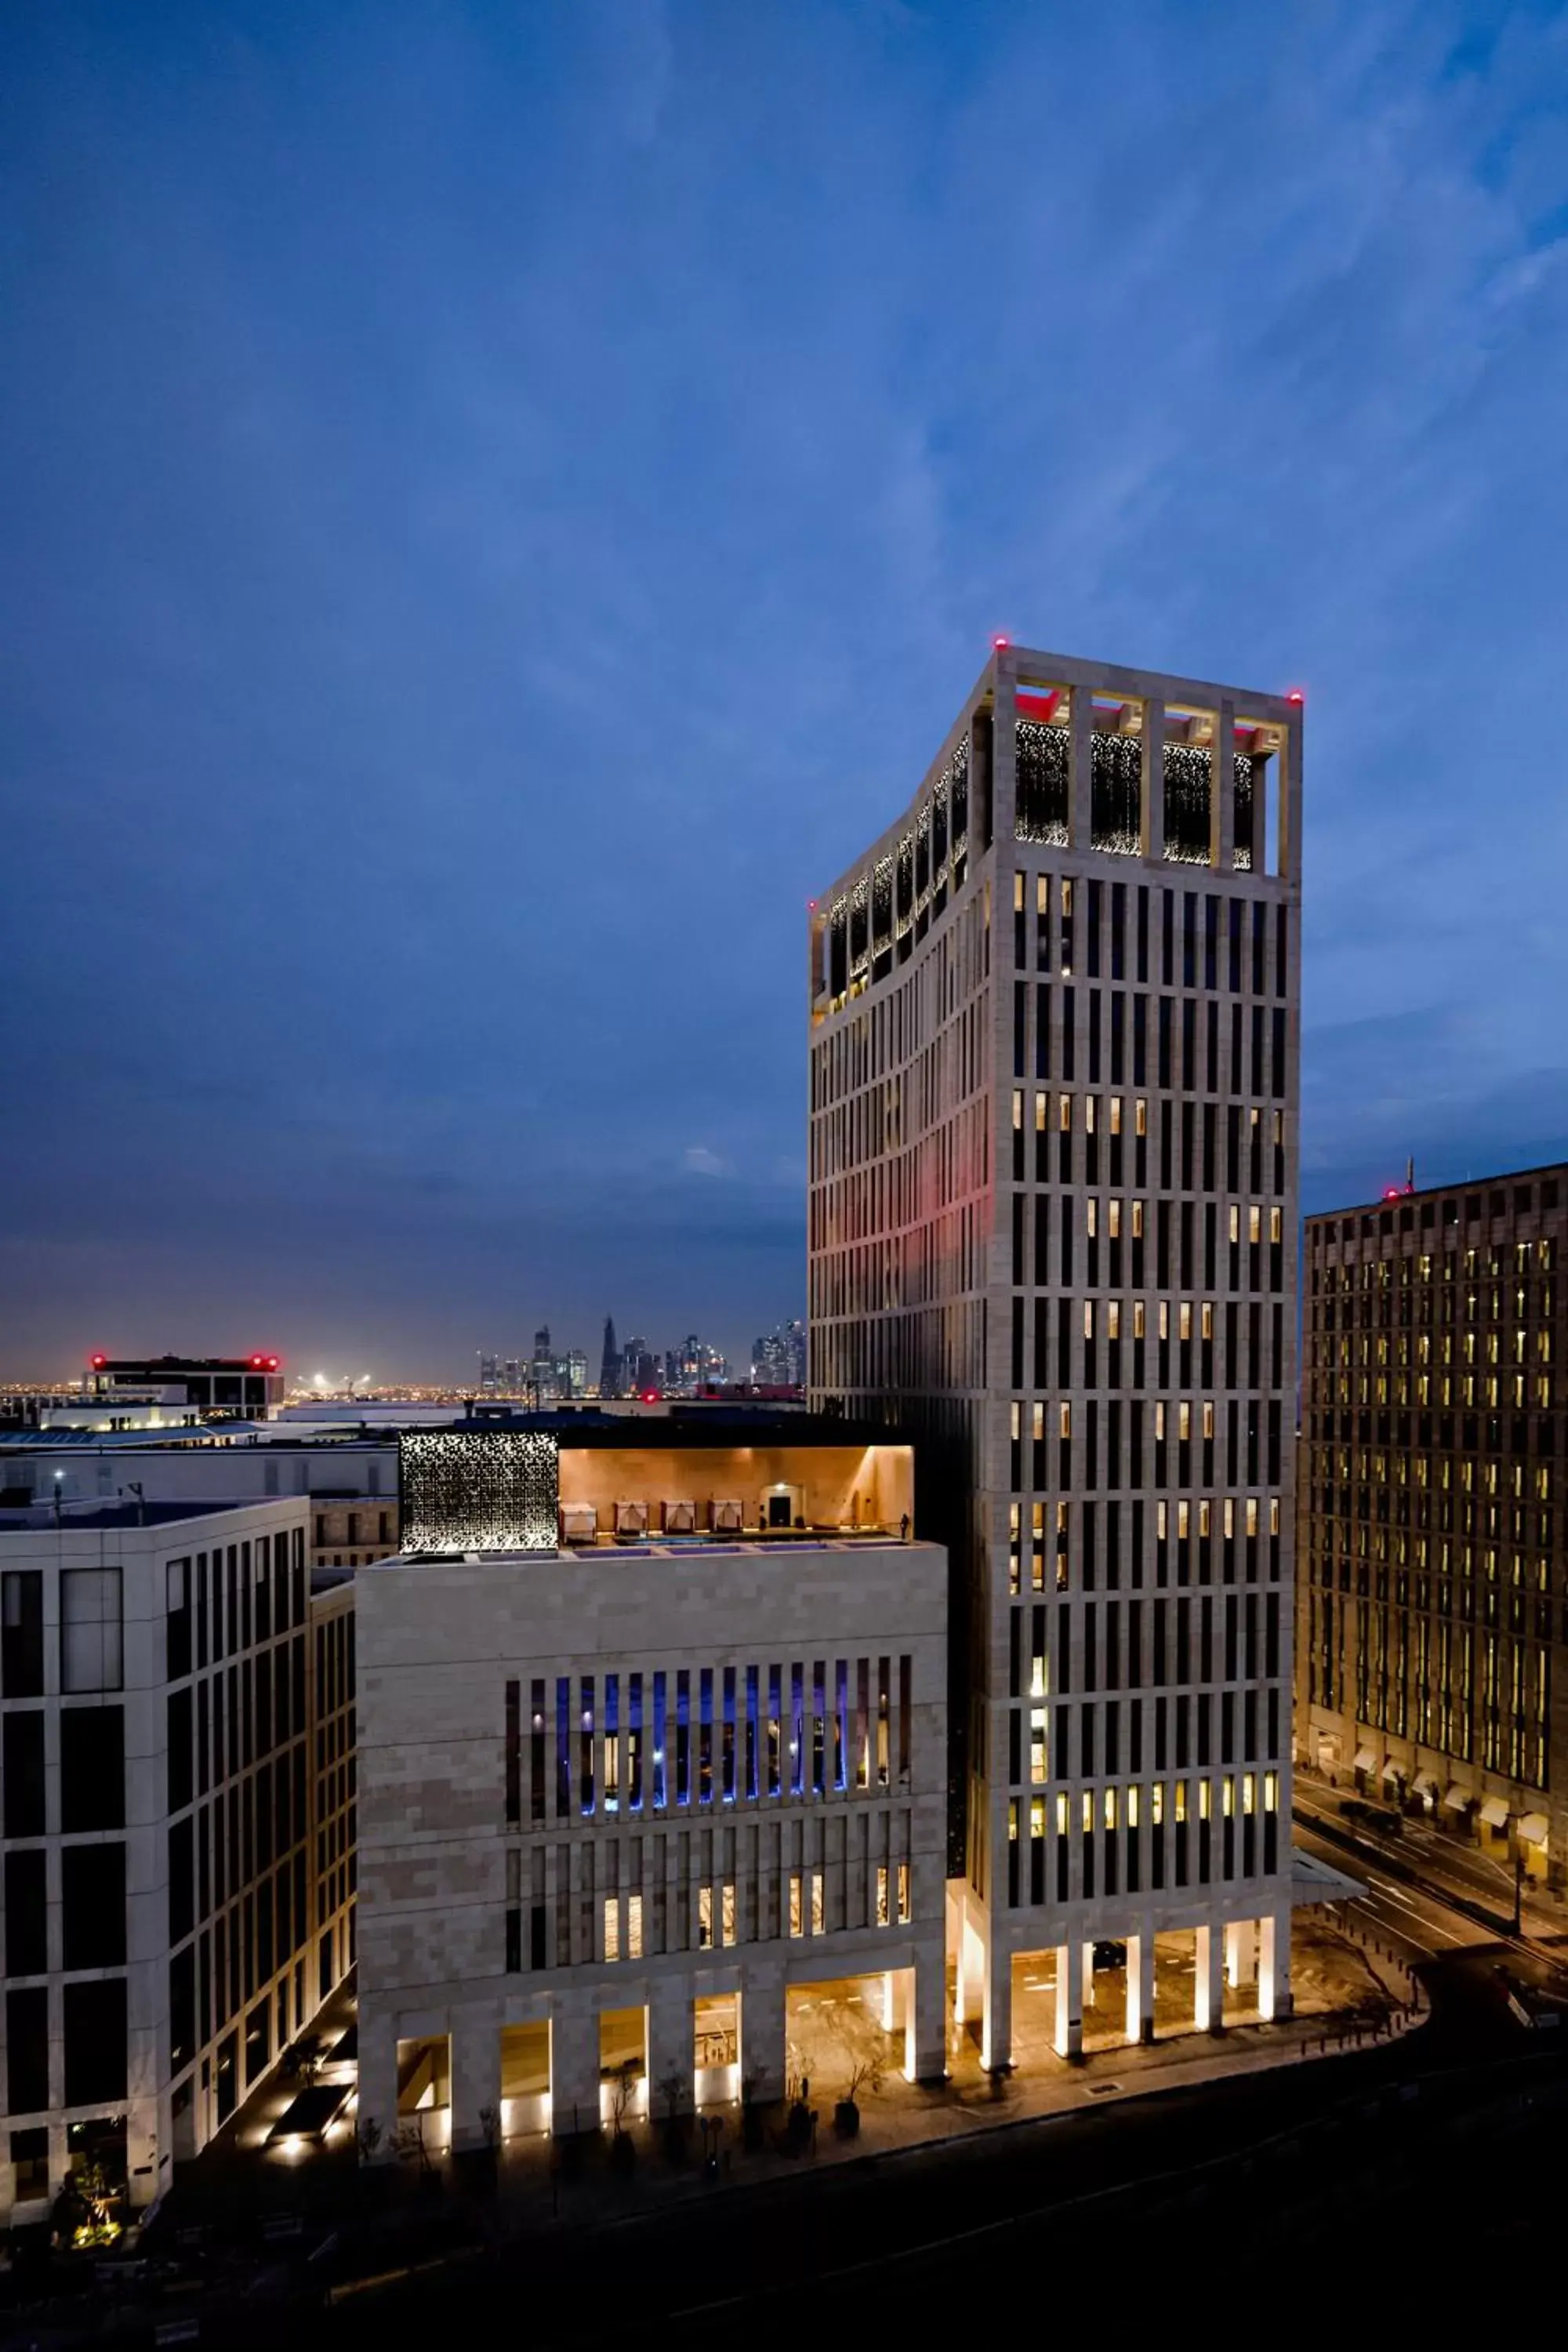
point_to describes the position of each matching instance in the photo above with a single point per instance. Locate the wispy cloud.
(499, 505)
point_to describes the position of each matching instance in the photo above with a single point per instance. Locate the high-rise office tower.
(1433, 1547)
(610, 1363)
(1054, 1033)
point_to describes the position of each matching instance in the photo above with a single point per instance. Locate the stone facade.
(656, 1787)
(1054, 1015)
(1430, 1665)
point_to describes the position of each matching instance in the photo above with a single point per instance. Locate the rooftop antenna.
(1410, 1173)
(133, 1487)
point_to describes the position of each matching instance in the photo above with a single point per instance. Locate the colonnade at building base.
(578, 2058)
(1251, 1955)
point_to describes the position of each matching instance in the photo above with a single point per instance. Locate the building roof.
(687, 1426)
(1396, 1197)
(44, 1441)
(74, 1520)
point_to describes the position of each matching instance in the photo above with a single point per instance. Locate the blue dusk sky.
(499, 503)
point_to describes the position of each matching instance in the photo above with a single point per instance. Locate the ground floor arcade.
(580, 2057)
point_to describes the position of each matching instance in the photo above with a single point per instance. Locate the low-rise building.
(625, 1795)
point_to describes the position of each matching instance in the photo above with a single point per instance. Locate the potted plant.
(865, 2074)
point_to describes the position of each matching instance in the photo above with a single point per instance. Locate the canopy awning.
(1494, 1812)
(1458, 1797)
(1365, 1758)
(1533, 1826)
(1390, 1770)
(1425, 1784)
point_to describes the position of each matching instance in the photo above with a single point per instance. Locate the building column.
(1141, 1988)
(763, 2063)
(673, 2036)
(1274, 1996)
(1208, 1999)
(574, 2064)
(378, 2080)
(1087, 1950)
(1070, 2002)
(1240, 1951)
(142, 2151)
(476, 2080)
(925, 2038)
(996, 2012)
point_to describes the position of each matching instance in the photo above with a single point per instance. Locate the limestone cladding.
(565, 1766)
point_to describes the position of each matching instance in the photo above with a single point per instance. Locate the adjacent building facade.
(166, 1932)
(1053, 1188)
(649, 1740)
(1433, 1606)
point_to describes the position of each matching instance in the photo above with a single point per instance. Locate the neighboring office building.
(1054, 1035)
(1434, 1609)
(618, 1803)
(166, 1932)
(219, 1387)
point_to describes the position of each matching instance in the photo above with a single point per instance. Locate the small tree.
(865, 2074)
(671, 2087)
(623, 2083)
(369, 2136)
(490, 2123)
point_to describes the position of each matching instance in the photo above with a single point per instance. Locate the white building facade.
(1053, 1237)
(160, 1902)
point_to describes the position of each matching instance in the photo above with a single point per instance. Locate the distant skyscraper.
(513, 1373)
(778, 1358)
(488, 1382)
(576, 1373)
(610, 1368)
(543, 1369)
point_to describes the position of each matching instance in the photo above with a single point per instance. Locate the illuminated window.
(796, 1915)
(904, 1911)
(705, 1915)
(726, 1913)
(633, 1927)
(818, 1915)
(611, 1927)
(882, 1911)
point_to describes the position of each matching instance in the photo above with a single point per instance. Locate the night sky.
(499, 504)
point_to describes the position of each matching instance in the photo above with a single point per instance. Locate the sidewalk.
(905, 2118)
